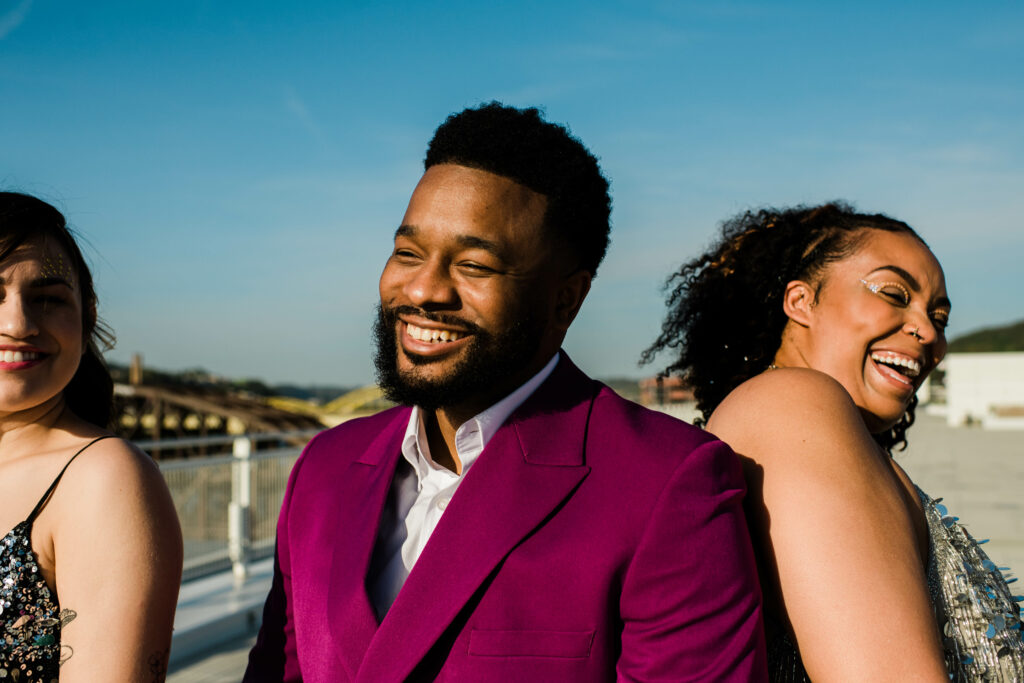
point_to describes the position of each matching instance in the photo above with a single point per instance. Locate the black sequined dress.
(980, 619)
(30, 618)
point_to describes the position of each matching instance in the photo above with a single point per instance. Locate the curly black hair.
(725, 315)
(519, 144)
(23, 219)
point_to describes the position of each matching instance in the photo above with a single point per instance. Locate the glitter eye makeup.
(56, 267)
(889, 290)
(941, 318)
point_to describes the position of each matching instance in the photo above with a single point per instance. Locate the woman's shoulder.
(108, 475)
(785, 396)
(96, 453)
(795, 385)
(110, 501)
(783, 413)
(107, 457)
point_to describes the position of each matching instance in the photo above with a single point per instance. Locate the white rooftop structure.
(985, 389)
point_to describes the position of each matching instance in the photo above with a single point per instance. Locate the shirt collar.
(473, 435)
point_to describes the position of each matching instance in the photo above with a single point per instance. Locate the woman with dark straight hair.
(90, 569)
(805, 334)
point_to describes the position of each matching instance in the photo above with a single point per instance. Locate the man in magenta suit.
(513, 520)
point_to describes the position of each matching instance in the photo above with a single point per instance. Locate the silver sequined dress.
(979, 617)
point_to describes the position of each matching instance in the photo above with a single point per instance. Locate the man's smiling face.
(468, 293)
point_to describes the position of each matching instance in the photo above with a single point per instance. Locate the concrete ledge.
(213, 611)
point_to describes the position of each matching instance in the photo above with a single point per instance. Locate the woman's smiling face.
(41, 332)
(875, 323)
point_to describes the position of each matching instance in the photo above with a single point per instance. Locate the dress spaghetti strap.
(42, 501)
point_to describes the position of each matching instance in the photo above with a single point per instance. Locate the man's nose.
(431, 286)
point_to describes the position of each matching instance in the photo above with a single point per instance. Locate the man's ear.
(798, 302)
(571, 293)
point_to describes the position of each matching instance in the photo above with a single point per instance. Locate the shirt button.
(442, 504)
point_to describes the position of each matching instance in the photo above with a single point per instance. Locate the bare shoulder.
(789, 413)
(829, 518)
(117, 558)
(113, 484)
(786, 394)
(113, 463)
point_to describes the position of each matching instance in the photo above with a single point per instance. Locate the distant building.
(664, 390)
(670, 396)
(986, 389)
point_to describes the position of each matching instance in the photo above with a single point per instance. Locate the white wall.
(977, 382)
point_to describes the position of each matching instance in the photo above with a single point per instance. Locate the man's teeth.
(18, 356)
(912, 367)
(425, 335)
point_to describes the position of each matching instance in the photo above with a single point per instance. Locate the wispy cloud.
(13, 18)
(297, 106)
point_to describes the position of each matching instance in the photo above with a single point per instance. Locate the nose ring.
(916, 332)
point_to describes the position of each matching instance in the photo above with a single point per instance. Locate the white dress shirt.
(421, 489)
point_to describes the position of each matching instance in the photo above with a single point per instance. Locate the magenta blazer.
(593, 540)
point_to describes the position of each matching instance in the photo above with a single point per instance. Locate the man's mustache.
(441, 318)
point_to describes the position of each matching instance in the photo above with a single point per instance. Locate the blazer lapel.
(361, 493)
(533, 463)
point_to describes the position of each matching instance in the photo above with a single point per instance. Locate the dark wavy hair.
(725, 315)
(519, 144)
(24, 219)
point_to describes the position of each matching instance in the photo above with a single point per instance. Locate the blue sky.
(239, 168)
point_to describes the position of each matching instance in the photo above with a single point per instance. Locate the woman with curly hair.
(805, 334)
(91, 564)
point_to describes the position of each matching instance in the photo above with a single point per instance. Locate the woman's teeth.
(433, 336)
(912, 367)
(18, 356)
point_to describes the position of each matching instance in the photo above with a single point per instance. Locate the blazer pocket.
(565, 644)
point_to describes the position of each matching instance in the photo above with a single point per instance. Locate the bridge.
(183, 418)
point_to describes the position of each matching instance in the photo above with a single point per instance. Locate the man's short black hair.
(519, 144)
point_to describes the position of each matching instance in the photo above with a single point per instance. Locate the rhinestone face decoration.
(56, 267)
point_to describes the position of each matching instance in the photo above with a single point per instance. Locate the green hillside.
(1007, 338)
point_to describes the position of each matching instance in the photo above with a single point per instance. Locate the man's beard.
(488, 361)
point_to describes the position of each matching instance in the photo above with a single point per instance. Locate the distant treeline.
(198, 377)
(1007, 338)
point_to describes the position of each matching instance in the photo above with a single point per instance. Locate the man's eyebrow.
(912, 281)
(473, 242)
(465, 241)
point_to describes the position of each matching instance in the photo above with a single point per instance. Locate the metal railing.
(228, 504)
